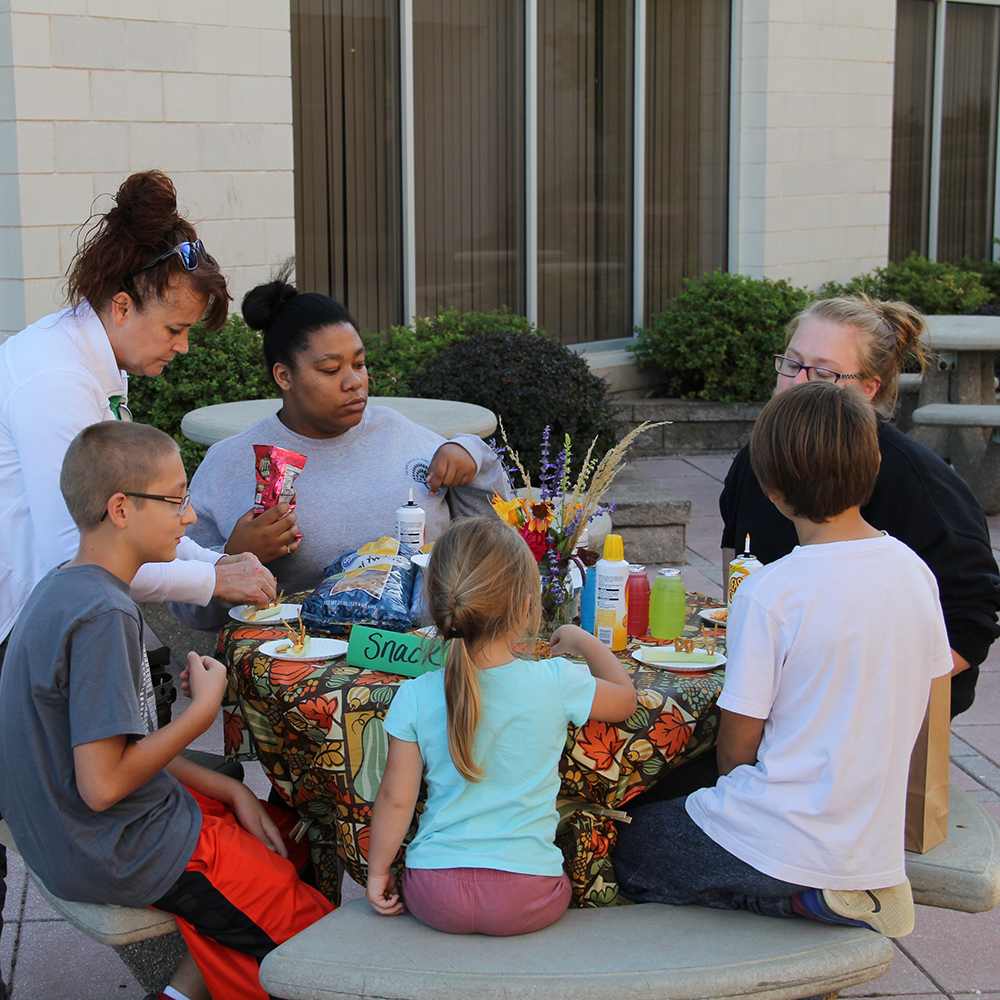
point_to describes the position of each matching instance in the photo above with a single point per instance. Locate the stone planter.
(698, 428)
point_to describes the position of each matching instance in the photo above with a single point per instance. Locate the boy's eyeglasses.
(190, 253)
(182, 502)
(790, 368)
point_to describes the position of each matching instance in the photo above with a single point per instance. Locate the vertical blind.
(469, 156)
(585, 168)
(913, 82)
(968, 131)
(687, 149)
(469, 137)
(348, 198)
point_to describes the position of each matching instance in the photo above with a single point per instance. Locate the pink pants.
(484, 900)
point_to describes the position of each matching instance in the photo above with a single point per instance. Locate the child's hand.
(205, 681)
(383, 895)
(570, 639)
(254, 818)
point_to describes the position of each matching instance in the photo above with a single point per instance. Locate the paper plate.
(706, 616)
(316, 649)
(272, 616)
(680, 668)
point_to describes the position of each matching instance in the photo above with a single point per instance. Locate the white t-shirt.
(834, 646)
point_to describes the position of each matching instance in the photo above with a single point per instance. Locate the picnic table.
(957, 416)
(447, 417)
(316, 728)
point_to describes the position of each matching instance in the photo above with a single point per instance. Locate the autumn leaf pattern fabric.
(317, 730)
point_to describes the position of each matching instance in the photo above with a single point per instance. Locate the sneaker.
(888, 911)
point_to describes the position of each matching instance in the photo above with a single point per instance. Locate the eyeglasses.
(790, 368)
(190, 253)
(182, 502)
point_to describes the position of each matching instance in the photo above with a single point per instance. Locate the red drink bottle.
(637, 598)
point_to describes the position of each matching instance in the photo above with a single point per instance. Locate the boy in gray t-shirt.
(99, 804)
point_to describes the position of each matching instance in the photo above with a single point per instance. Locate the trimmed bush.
(397, 354)
(529, 381)
(716, 339)
(935, 289)
(221, 367)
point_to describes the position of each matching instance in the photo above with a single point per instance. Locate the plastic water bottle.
(588, 599)
(667, 605)
(637, 594)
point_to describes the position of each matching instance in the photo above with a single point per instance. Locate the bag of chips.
(277, 470)
(373, 586)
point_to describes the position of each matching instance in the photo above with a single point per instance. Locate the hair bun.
(146, 205)
(262, 304)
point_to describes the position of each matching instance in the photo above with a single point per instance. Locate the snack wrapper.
(277, 470)
(373, 586)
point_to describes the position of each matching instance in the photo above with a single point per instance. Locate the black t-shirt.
(919, 499)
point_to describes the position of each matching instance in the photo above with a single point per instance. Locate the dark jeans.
(662, 856)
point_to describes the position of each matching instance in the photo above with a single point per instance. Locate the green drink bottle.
(667, 605)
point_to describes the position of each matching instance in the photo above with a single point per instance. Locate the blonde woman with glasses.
(860, 345)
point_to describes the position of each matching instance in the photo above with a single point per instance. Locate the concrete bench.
(652, 951)
(975, 459)
(146, 940)
(962, 872)
(656, 952)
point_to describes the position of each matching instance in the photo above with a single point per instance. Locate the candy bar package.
(277, 469)
(373, 586)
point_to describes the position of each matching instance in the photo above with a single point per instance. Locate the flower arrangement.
(553, 520)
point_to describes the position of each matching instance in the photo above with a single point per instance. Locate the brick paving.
(948, 955)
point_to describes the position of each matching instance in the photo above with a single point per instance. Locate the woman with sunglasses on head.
(136, 286)
(860, 344)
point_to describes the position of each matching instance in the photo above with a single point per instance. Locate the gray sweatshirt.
(346, 495)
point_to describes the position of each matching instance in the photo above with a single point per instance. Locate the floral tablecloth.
(317, 730)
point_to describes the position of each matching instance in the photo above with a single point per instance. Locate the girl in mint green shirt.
(487, 733)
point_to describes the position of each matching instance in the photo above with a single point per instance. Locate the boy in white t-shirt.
(831, 654)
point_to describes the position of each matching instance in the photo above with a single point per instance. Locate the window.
(944, 148)
(483, 153)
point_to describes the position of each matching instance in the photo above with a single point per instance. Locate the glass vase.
(557, 598)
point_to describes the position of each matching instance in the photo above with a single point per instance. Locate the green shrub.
(221, 367)
(529, 381)
(935, 289)
(397, 354)
(716, 338)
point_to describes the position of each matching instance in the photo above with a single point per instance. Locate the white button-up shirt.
(56, 377)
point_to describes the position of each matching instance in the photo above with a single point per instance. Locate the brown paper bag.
(927, 790)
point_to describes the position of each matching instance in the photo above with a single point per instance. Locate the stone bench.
(656, 952)
(146, 940)
(651, 518)
(975, 459)
(652, 951)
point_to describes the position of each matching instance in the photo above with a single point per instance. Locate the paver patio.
(948, 955)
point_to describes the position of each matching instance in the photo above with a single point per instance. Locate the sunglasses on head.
(191, 252)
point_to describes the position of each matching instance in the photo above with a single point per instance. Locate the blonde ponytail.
(480, 578)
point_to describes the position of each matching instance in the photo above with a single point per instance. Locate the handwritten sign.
(393, 652)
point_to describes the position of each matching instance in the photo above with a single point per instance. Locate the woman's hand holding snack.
(383, 895)
(268, 535)
(451, 465)
(242, 579)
